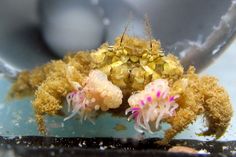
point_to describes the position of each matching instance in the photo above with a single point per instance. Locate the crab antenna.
(123, 34)
(126, 28)
(148, 29)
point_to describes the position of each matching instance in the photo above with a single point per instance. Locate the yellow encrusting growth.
(200, 95)
(130, 64)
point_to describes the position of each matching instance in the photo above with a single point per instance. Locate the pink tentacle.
(74, 112)
(154, 103)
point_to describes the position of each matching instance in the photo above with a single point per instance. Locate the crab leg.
(217, 106)
(187, 112)
(49, 95)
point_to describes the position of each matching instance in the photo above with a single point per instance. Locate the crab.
(133, 70)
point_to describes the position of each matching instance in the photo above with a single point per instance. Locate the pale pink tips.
(142, 103)
(149, 99)
(172, 99)
(158, 94)
(135, 109)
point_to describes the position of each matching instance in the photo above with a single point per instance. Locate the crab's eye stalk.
(97, 94)
(150, 106)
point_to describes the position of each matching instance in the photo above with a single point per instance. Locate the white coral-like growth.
(150, 106)
(98, 93)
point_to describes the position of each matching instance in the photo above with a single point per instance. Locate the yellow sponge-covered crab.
(156, 86)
